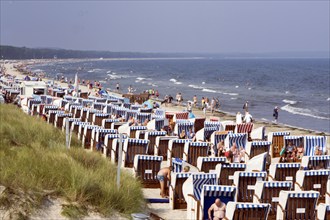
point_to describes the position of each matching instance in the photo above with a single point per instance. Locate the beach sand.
(163, 210)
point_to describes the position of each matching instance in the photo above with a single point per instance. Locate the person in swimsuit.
(219, 210)
(162, 175)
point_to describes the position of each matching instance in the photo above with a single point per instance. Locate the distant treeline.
(11, 52)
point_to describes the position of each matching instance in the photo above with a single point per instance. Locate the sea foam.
(302, 111)
(291, 102)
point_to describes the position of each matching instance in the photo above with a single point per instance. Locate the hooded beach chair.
(176, 148)
(177, 200)
(180, 116)
(216, 137)
(116, 125)
(255, 148)
(146, 168)
(311, 142)
(34, 102)
(78, 112)
(269, 192)
(277, 139)
(98, 117)
(83, 114)
(192, 189)
(130, 113)
(210, 127)
(297, 205)
(199, 124)
(48, 108)
(205, 164)
(139, 134)
(134, 129)
(247, 211)
(98, 137)
(133, 147)
(315, 162)
(99, 106)
(157, 124)
(313, 180)
(151, 136)
(179, 126)
(143, 116)
(34, 109)
(244, 128)
(107, 147)
(212, 192)
(193, 150)
(240, 139)
(90, 114)
(59, 118)
(136, 107)
(75, 127)
(112, 143)
(87, 136)
(258, 134)
(323, 211)
(119, 111)
(46, 99)
(106, 123)
(161, 145)
(52, 115)
(245, 182)
(225, 172)
(283, 171)
(73, 110)
(295, 140)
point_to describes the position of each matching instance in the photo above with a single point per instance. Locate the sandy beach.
(163, 210)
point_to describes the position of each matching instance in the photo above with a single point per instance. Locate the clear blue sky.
(168, 26)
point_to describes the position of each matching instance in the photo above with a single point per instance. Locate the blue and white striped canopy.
(252, 205)
(288, 165)
(252, 174)
(261, 143)
(312, 141)
(149, 158)
(182, 175)
(214, 159)
(216, 190)
(101, 115)
(283, 133)
(180, 141)
(111, 120)
(302, 195)
(136, 128)
(239, 139)
(108, 131)
(317, 172)
(198, 144)
(274, 184)
(156, 133)
(200, 179)
(234, 165)
(137, 141)
(177, 165)
(63, 115)
(321, 157)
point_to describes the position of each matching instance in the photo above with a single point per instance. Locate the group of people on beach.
(233, 155)
(292, 153)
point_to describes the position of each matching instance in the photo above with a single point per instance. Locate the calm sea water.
(300, 87)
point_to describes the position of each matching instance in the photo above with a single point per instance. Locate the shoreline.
(270, 127)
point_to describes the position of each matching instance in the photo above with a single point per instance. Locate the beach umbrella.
(148, 103)
(191, 115)
(76, 84)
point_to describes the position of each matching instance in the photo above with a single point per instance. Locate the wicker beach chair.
(90, 114)
(133, 130)
(225, 172)
(297, 205)
(256, 148)
(205, 164)
(75, 128)
(244, 128)
(87, 136)
(99, 106)
(151, 136)
(114, 147)
(313, 180)
(59, 118)
(240, 139)
(248, 211)
(311, 142)
(106, 123)
(283, 171)
(156, 124)
(52, 115)
(98, 137)
(161, 145)
(130, 113)
(98, 117)
(277, 139)
(107, 147)
(323, 211)
(268, 192)
(245, 182)
(212, 192)
(48, 108)
(180, 116)
(192, 150)
(199, 124)
(177, 200)
(315, 162)
(133, 147)
(179, 126)
(192, 189)
(176, 148)
(146, 168)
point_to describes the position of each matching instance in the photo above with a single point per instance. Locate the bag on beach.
(282, 151)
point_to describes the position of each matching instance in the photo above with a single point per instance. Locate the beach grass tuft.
(34, 159)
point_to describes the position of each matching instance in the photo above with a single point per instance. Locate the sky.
(168, 26)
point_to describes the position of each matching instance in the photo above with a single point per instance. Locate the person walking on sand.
(246, 106)
(212, 105)
(117, 87)
(195, 100)
(248, 118)
(275, 114)
(162, 175)
(239, 118)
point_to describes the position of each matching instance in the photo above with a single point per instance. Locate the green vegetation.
(35, 162)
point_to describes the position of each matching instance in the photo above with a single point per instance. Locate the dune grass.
(33, 158)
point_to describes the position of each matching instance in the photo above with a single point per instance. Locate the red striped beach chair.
(180, 116)
(244, 128)
(192, 150)
(146, 168)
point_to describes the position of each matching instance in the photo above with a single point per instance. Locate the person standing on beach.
(275, 114)
(212, 105)
(246, 106)
(195, 100)
(239, 118)
(117, 87)
(248, 118)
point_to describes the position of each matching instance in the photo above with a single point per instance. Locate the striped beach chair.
(225, 172)
(73, 109)
(210, 127)
(126, 105)
(107, 147)
(323, 211)
(192, 189)
(277, 139)
(98, 137)
(48, 108)
(296, 141)
(98, 117)
(151, 136)
(179, 126)
(212, 192)
(87, 135)
(161, 145)
(269, 192)
(34, 109)
(311, 142)
(245, 182)
(313, 180)
(315, 162)
(240, 139)
(159, 113)
(90, 114)
(130, 113)
(216, 137)
(34, 102)
(83, 114)
(145, 110)
(76, 128)
(46, 99)
(77, 111)
(136, 107)
(59, 118)
(106, 123)
(116, 125)
(177, 165)
(244, 128)
(297, 205)
(248, 211)
(177, 200)
(99, 106)
(107, 109)
(192, 150)
(52, 114)
(139, 134)
(143, 116)
(205, 164)
(257, 147)
(133, 147)
(156, 124)
(119, 111)
(180, 115)
(133, 130)
(199, 124)
(146, 168)
(283, 171)
(176, 148)
(229, 125)
(113, 144)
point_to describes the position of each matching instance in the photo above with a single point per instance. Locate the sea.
(299, 87)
